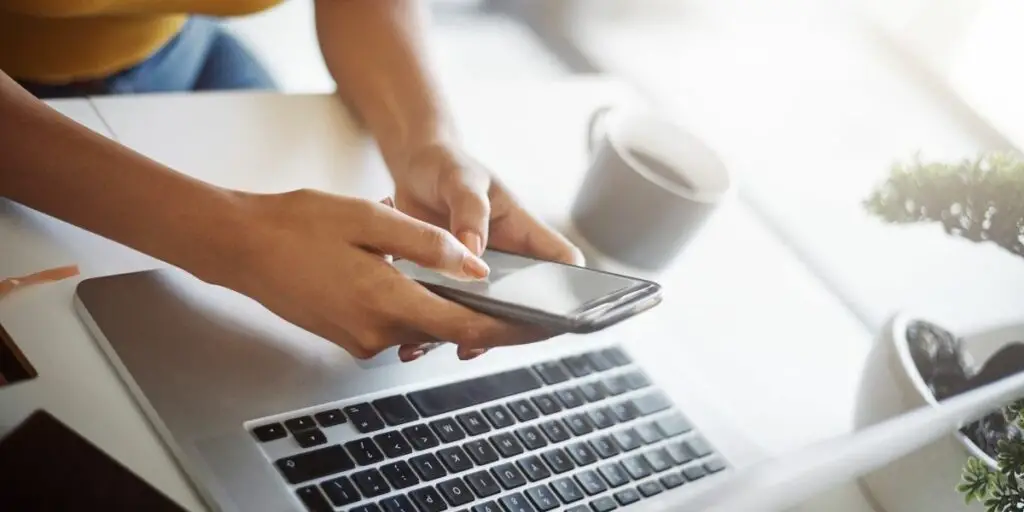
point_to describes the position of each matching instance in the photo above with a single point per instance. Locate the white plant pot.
(926, 480)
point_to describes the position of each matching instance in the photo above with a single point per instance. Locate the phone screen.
(541, 285)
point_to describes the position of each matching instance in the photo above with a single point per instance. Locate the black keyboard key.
(605, 447)
(451, 397)
(428, 500)
(628, 439)
(523, 410)
(627, 497)
(455, 459)
(652, 403)
(699, 447)
(499, 416)
(488, 506)
(269, 432)
(555, 430)
(673, 425)
(310, 438)
(533, 468)
(516, 502)
(603, 504)
(578, 508)
(625, 411)
(483, 484)
(313, 499)
(659, 460)
(567, 490)
(637, 380)
(694, 473)
(448, 430)
(364, 451)
(370, 507)
(637, 467)
(591, 483)
(399, 475)
(330, 418)
(421, 437)
(427, 467)
(579, 424)
(551, 372)
(594, 391)
(714, 465)
(531, 437)
(395, 410)
(614, 474)
(393, 444)
(598, 361)
(616, 356)
(370, 483)
(340, 491)
(671, 481)
(542, 498)
(315, 464)
(455, 492)
(508, 475)
(481, 451)
(558, 460)
(474, 423)
(364, 418)
(649, 432)
(507, 444)
(547, 404)
(398, 503)
(680, 453)
(300, 423)
(571, 398)
(616, 385)
(582, 454)
(601, 418)
(579, 366)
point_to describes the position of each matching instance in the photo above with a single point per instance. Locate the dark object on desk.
(47, 466)
(14, 367)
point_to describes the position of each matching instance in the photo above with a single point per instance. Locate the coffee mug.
(650, 187)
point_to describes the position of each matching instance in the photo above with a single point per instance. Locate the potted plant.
(981, 200)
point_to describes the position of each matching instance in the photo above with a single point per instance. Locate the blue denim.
(202, 57)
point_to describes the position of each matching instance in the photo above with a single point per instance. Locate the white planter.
(926, 480)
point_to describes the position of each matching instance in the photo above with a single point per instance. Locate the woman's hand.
(321, 262)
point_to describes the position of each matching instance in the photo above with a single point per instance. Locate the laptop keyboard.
(584, 433)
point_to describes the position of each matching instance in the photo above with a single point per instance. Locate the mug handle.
(594, 125)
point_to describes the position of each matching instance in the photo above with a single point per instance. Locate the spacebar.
(450, 397)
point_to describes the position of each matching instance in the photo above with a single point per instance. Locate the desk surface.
(742, 313)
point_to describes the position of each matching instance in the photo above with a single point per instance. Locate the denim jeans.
(202, 57)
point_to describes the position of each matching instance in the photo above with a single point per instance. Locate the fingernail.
(475, 353)
(387, 201)
(473, 242)
(414, 356)
(475, 267)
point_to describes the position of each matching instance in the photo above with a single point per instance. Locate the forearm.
(54, 165)
(375, 50)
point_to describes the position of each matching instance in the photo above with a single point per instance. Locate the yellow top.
(55, 41)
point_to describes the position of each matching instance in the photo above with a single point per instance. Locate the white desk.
(744, 324)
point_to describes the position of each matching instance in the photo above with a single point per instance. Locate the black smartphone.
(565, 298)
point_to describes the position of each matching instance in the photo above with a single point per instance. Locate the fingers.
(524, 234)
(469, 216)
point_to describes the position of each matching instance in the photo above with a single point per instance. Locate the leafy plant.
(981, 200)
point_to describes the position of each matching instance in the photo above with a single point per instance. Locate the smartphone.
(562, 297)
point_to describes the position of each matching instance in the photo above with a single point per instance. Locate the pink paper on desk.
(10, 284)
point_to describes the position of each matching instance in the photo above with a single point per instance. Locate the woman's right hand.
(321, 262)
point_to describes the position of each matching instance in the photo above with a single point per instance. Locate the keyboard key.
(398, 503)
(399, 475)
(694, 473)
(628, 439)
(509, 476)
(300, 423)
(448, 430)
(489, 506)
(516, 502)
(364, 451)
(591, 483)
(531, 438)
(604, 504)
(627, 497)
(546, 404)
(614, 474)
(680, 453)
(370, 507)
(601, 418)
(455, 492)
(605, 447)
(616, 385)
(698, 447)
(582, 454)
(671, 481)
(481, 451)
(507, 444)
(555, 430)
(542, 497)
(593, 391)
(393, 444)
(714, 465)
(474, 423)
(364, 418)
(455, 459)
(558, 460)
(673, 425)
(567, 490)
(427, 467)
(652, 403)
(483, 484)
(313, 499)
(499, 416)
(315, 464)
(649, 488)
(533, 468)
(578, 508)
(649, 432)
(421, 437)
(571, 398)
(459, 395)
(340, 491)
(269, 432)
(659, 460)
(579, 366)
(428, 500)
(637, 380)
(625, 411)
(637, 467)
(551, 372)
(310, 438)
(598, 361)
(579, 424)
(395, 410)
(370, 483)
(524, 410)
(330, 417)
(616, 356)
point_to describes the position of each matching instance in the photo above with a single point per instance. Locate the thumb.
(469, 216)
